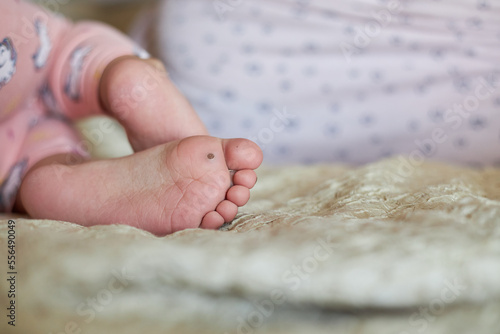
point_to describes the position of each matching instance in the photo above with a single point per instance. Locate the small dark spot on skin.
(210, 156)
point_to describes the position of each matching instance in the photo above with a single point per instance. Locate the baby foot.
(140, 95)
(178, 185)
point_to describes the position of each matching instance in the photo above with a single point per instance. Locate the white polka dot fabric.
(346, 81)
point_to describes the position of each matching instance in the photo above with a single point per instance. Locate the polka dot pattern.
(351, 81)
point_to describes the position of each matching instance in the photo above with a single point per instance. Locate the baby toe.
(227, 210)
(246, 178)
(239, 195)
(242, 154)
(212, 221)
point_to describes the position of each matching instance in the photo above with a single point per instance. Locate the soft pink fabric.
(49, 72)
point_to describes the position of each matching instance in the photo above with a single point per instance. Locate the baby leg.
(140, 95)
(167, 188)
(27, 137)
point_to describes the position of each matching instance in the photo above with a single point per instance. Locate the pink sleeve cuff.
(82, 55)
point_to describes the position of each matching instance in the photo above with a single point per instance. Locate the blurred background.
(119, 13)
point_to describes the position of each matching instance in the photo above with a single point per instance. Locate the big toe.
(242, 154)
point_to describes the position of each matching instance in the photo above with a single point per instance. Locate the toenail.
(210, 156)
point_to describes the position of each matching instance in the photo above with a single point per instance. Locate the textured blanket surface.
(324, 249)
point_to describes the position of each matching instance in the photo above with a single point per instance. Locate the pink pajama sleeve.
(81, 57)
(37, 46)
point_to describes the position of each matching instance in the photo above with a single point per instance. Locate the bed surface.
(319, 249)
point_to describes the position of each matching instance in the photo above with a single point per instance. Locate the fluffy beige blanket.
(322, 249)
